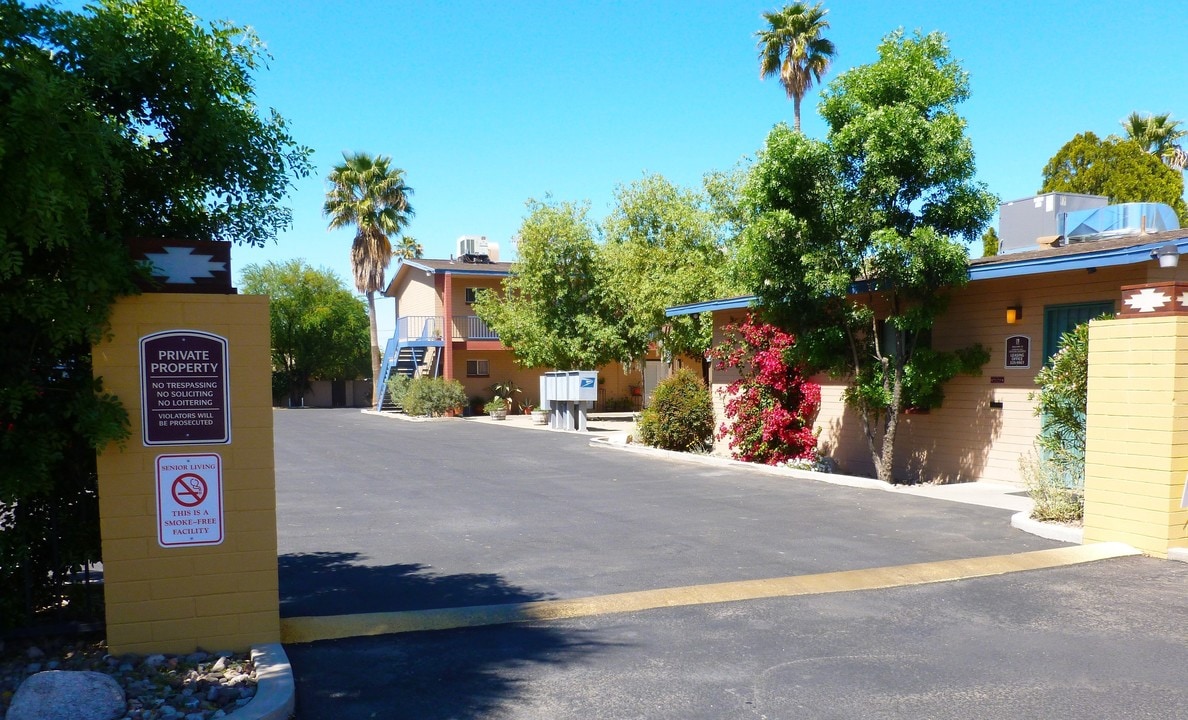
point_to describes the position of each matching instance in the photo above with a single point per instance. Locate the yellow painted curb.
(311, 629)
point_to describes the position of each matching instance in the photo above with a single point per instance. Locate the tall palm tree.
(1156, 133)
(369, 194)
(793, 48)
(409, 248)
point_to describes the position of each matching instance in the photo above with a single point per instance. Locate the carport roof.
(1128, 250)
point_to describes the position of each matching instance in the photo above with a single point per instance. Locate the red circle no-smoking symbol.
(189, 490)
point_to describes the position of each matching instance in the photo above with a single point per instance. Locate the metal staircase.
(409, 360)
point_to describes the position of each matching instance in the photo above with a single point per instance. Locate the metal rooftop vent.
(1118, 221)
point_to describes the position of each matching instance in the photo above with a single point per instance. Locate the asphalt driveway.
(377, 515)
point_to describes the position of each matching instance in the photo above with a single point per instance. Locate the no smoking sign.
(189, 500)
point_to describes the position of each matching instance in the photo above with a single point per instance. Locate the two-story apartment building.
(437, 333)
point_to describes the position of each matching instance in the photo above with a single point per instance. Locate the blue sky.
(487, 104)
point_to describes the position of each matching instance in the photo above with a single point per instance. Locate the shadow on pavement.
(468, 673)
(336, 583)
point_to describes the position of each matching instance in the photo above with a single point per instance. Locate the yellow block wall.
(1136, 457)
(222, 597)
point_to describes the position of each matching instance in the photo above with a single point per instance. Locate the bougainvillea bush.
(771, 408)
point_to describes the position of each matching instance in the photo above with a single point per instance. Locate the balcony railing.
(429, 327)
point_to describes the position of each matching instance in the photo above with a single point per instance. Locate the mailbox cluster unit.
(568, 395)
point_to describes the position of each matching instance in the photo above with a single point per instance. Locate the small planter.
(540, 417)
(498, 414)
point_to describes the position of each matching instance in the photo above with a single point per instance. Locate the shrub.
(770, 409)
(397, 387)
(1056, 478)
(680, 416)
(1047, 485)
(433, 396)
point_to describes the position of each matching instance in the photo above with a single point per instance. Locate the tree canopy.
(318, 328)
(369, 194)
(1119, 169)
(793, 47)
(665, 246)
(552, 311)
(853, 242)
(1156, 134)
(129, 119)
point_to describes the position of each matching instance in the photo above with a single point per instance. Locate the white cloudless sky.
(487, 104)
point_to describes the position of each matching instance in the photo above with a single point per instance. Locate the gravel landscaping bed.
(199, 686)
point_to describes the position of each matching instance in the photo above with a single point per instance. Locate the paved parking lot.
(381, 516)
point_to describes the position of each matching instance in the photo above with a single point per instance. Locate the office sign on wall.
(1018, 352)
(185, 396)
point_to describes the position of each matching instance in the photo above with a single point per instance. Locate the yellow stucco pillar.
(1137, 431)
(189, 530)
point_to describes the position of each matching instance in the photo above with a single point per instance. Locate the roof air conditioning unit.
(473, 248)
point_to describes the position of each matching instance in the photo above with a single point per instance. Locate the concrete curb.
(276, 693)
(984, 494)
(1051, 531)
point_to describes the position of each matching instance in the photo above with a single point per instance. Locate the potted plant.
(496, 408)
(540, 416)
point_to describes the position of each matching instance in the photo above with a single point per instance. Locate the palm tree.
(1157, 134)
(409, 248)
(368, 193)
(792, 47)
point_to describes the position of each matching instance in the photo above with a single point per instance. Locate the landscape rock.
(68, 695)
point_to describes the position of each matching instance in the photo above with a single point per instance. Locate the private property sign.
(185, 397)
(189, 500)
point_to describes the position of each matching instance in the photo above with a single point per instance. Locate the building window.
(471, 295)
(478, 368)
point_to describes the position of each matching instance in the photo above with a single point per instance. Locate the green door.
(1059, 319)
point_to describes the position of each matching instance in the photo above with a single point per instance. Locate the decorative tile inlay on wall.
(1155, 299)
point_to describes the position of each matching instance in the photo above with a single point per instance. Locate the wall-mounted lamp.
(1167, 255)
(1014, 314)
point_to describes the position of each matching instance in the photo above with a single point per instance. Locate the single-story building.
(1017, 305)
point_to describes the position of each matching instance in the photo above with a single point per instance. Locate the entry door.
(1059, 319)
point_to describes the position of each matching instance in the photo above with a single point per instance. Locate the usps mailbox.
(568, 395)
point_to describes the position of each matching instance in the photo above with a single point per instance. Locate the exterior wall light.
(1014, 314)
(1167, 255)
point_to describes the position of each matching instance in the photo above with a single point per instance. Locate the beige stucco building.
(986, 423)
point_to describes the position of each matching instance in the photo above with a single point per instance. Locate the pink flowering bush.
(771, 408)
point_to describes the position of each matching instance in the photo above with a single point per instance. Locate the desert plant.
(433, 396)
(397, 386)
(1053, 500)
(680, 416)
(770, 409)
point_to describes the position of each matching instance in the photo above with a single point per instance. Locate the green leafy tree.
(319, 329)
(128, 119)
(990, 242)
(854, 242)
(367, 193)
(792, 47)
(1119, 169)
(553, 311)
(663, 248)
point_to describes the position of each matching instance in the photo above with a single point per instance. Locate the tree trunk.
(887, 457)
(375, 351)
(796, 113)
